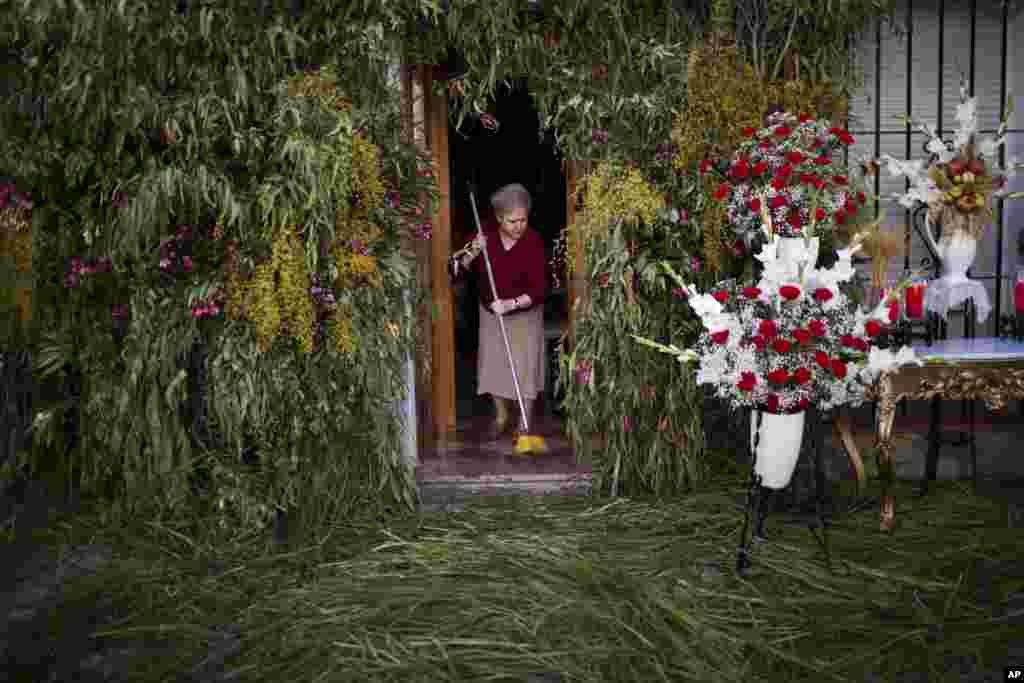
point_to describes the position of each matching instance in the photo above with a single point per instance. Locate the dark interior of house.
(513, 153)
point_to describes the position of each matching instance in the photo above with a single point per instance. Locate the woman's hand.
(503, 306)
(477, 245)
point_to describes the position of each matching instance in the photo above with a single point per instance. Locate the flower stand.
(769, 477)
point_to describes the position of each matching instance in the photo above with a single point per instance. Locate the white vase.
(956, 253)
(797, 252)
(778, 447)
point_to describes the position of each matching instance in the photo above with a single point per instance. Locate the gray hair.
(510, 197)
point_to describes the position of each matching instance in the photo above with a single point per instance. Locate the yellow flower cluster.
(16, 240)
(321, 84)
(345, 340)
(355, 269)
(613, 193)
(367, 186)
(723, 98)
(277, 298)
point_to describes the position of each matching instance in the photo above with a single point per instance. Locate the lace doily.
(942, 295)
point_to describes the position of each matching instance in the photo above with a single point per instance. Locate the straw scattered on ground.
(619, 590)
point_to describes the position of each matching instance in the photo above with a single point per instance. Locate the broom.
(525, 443)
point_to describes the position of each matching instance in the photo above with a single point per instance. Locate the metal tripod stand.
(759, 498)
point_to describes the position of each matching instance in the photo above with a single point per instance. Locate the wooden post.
(443, 337)
(414, 111)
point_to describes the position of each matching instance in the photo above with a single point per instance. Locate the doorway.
(514, 152)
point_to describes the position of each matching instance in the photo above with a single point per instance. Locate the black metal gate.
(918, 73)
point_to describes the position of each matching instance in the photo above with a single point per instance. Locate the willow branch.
(785, 47)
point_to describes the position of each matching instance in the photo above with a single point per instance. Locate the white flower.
(989, 146)
(937, 146)
(706, 307)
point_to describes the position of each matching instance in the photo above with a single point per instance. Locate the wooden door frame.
(426, 118)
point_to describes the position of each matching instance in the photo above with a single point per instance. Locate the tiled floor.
(470, 453)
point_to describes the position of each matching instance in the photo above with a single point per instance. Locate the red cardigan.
(518, 271)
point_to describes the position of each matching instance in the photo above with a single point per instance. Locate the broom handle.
(501, 320)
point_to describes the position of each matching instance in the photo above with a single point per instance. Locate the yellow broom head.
(530, 444)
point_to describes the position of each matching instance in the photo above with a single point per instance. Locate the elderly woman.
(518, 260)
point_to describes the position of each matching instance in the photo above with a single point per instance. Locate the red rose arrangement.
(795, 166)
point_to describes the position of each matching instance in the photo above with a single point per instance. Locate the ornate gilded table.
(989, 369)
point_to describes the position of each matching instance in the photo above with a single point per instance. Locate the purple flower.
(120, 311)
(627, 423)
(106, 264)
(359, 248)
(72, 280)
(119, 201)
(165, 264)
(600, 136)
(679, 292)
(187, 260)
(684, 216)
(489, 122)
(393, 199)
(663, 152)
(695, 264)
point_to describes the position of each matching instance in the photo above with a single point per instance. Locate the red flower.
(839, 179)
(804, 118)
(721, 296)
(822, 160)
(748, 132)
(794, 218)
(794, 157)
(779, 376)
(781, 345)
(759, 168)
(873, 328)
(860, 344)
(748, 381)
(755, 205)
(765, 145)
(741, 169)
(851, 208)
(861, 198)
(840, 217)
(817, 328)
(802, 336)
(819, 214)
(802, 376)
(804, 403)
(819, 184)
(777, 201)
(759, 342)
(720, 337)
(768, 328)
(818, 142)
(822, 294)
(807, 178)
(789, 292)
(722, 192)
(894, 311)
(848, 340)
(779, 183)
(822, 359)
(773, 404)
(839, 368)
(782, 131)
(705, 164)
(751, 292)
(846, 138)
(784, 172)
(837, 131)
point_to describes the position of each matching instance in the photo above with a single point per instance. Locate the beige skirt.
(526, 337)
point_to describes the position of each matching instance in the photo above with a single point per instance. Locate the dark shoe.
(498, 430)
